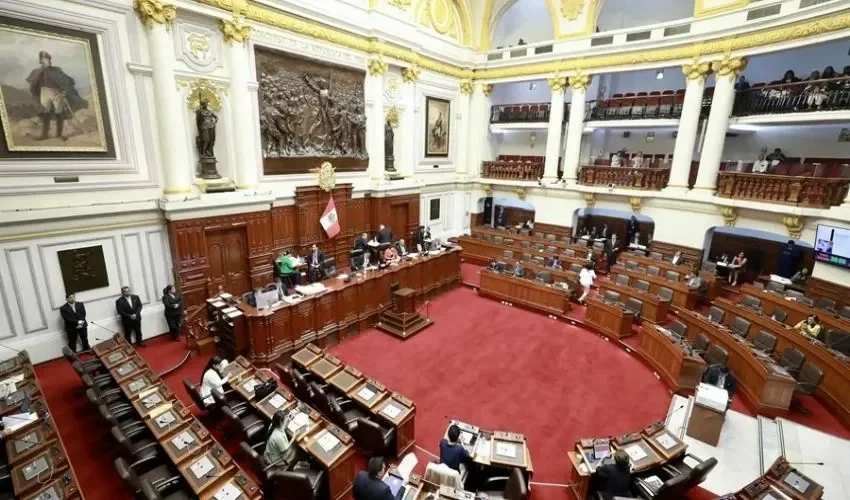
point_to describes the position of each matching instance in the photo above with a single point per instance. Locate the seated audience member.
(814, 90)
(315, 259)
(424, 238)
(760, 166)
(776, 157)
(613, 478)
(211, 378)
(369, 484)
(385, 235)
(789, 77)
(281, 451)
(555, 263)
(519, 269)
(493, 266)
(776, 315)
(739, 264)
(810, 326)
(288, 267)
(695, 282)
(724, 258)
(604, 233)
(677, 257)
(742, 83)
(585, 279)
(452, 452)
(637, 160)
(401, 248)
(593, 233)
(391, 254)
(800, 277)
(527, 225)
(592, 256)
(719, 376)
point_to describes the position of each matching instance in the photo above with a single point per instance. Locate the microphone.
(675, 411)
(805, 463)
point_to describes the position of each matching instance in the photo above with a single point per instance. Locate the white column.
(464, 126)
(686, 137)
(405, 159)
(575, 126)
(556, 122)
(177, 168)
(718, 121)
(479, 126)
(236, 35)
(375, 122)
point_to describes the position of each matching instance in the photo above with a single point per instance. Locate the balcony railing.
(651, 179)
(511, 170)
(816, 95)
(815, 192)
(522, 113)
(667, 104)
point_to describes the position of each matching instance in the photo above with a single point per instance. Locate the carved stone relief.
(198, 47)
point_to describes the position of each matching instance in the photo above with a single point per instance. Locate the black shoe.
(141, 344)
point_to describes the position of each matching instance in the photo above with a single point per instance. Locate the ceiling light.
(659, 75)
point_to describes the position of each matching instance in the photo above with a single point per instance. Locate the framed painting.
(52, 101)
(437, 123)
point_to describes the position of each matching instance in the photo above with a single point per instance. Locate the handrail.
(512, 170)
(644, 178)
(815, 192)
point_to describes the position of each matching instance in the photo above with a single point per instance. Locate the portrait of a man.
(437, 122)
(51, 92)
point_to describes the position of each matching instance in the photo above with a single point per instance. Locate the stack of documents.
(712, 397)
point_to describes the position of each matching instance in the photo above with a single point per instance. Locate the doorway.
(227, 252)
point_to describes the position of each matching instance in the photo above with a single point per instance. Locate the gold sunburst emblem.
(327, 176)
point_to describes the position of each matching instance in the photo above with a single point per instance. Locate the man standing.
(55, 91)
(129, 307)
(385, 235)
(74, 315)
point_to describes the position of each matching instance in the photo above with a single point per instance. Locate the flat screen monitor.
(832, 245)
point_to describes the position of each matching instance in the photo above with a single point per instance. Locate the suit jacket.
(71, 315)
(402, 249)
(125, 311)
(385, 235)
(168, 301)
(614, 481)
(320, 259)
(712, 375)
(361, 244)
(367, 488)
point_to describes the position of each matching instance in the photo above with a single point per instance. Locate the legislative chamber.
(424, 249)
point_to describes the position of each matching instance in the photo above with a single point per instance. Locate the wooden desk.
(676, 366)
(187, 442)
(495, 450)
(683, 296)
(64, 487)
(279, 400)
(834, 390)
(239, 482)
(533, 294)
(346, 379)
(486, 251)
(797, 311)
(166, 419)
(117, 341)
(129, 368)
(489, 233)
(8, 367)
(118, 356)
(779, 481)
(213, 466)
(343, 310)
(711, 280)
(654, 309)
(27, 390)
(29, 440)
(28, 474)
(148, 400)
(766, 385)
(140, 382)
(609, 319)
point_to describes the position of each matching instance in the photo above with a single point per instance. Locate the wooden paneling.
(615, 225)
(678, 368)
(561, 232)
(526, 292)
(762, 255)
(819, 288)
(399, 213)
(690, 255)
(514, 215)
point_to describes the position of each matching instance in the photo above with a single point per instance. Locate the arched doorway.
(767, 253)
(617, 221)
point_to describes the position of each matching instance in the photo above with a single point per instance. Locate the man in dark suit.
(362, 243)
(613, 479)
(611, 248)
(369, 486)
(314, 263)
(385, 235)
(74, 315)
(401, 248)
(129, 307)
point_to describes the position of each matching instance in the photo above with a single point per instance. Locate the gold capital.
(636, 202)
(696, 71)
(558, 84)
(486, 88)
(580, 81)
(730, 216)
(155, 12)
(794, 225)
(466, 87)
(410, 74)
(377, 67)
(729, 66)
(520, 192)
(235, 31)
(590, 199)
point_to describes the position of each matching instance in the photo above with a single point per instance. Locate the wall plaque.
(83, 269)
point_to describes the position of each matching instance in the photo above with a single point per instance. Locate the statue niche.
(310, 112)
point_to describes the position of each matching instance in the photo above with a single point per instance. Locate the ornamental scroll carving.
(310, 112)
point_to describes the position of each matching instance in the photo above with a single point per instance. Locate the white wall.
(531, 91)
(795, 140)
(526, 19)
(646, 81)
(456, 205)
(32, 290)
(768, 67)
(618, 14)
(518, 142)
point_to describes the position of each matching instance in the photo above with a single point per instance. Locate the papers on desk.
(26, 442)
(7, 389)
(311, 289)
(483, 447)
(165, 419)
(225, 296)
(115, 356)
(12, 422)
(277, 401)
(125, 369)
(49, 494)
(201, 468)
(711, 397)
(228, 492)
(327, 441)
(654, 483)
(779, 279)
(298, 421)
(230, 309)
(183, 440)
(391, 411)
(218, 304)
(137, 385)
(408, 463)
(797, 482)
(506, 450)
(152, 400)
(35, 468)
(366, 393)
(17, 379)
(666, 441)
(635, 452)
(250, 384)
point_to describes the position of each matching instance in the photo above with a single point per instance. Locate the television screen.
(832, 245)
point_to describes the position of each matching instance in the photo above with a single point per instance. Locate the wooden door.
(398, 219)
(228, 257)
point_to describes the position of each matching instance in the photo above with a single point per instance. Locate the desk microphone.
(98, 339)
(805, 463)
(675, 411)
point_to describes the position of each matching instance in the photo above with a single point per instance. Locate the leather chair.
(300, 484)
(678, 328)
(656, 256)
(844, 312)
(526, 257)
(695, 473)
(635, 306)
(759, 285)
(247, 421)
(195, 394)
(622, 279)
(569, 252)
(262, 469)
(300, 386)
(808, 380)
(576, 268)
(824, 303)
(321, 399)
(345, 414)
(700, 345)
(773, 286)
(498, 240)
(716, 355)
(329, 267)
(550, 237)
(665, 294)
(229, 399)
(611, 296)
(716, 315)
(642, 285)
(765, 342)
(794, 294)
(92, 380)
(779, 315)
(653, 270)
(837, 340)
(632, 265)
(672, 489)
(90, 366)
(710, 267)
(740, 326)
(807, 301)
(508, 254)
(792, 360)
(137, 442)
(175, 492)
(540, 261)
(751, 302)
(125, 419)
(160, 475)
(672, 275)
(372, 437)
(512, 487)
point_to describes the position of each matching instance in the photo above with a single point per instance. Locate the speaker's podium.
(403, 320)
(708, 414)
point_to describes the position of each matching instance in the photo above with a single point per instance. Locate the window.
(434, 209)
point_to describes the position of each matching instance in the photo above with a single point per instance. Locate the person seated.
(677, 258)
(637, 160)
(724, 259)
(452, 452)
(810, 326)
(592, 256)
(695, 282)
(315, 261)
(369, 484)
(362, 243)
(385, 235)
(527, 225)
(719, 376)
(494, 265)
(423, 237)
(391, 254)
(800, 277)
(742, 83)
(519, 270)
(604, 233)
(739, 264)
(760, 166)
(401, 248)
(212, 378)
(636, 240)
(555, 263)
(776, 157)
(613, 479)
(281, 451)
(593, 233)
(288, 268)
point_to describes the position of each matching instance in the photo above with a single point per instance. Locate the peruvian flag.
(329, 220)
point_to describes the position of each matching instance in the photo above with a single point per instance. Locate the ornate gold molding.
(729, 66)
(580, 81)
(202, 89)
(377, 67)
(571, 9)
(701, 11)
(488, 189)
(235, 30)
(590, 199)
(730, 216)
(410, 74)
(794, 225)
(520, 192)
(486, 89)
(466, 87)
(392, 117)
(696, 70)
(558, 84)
(155, 12)
(636, 203)
(401, 4)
